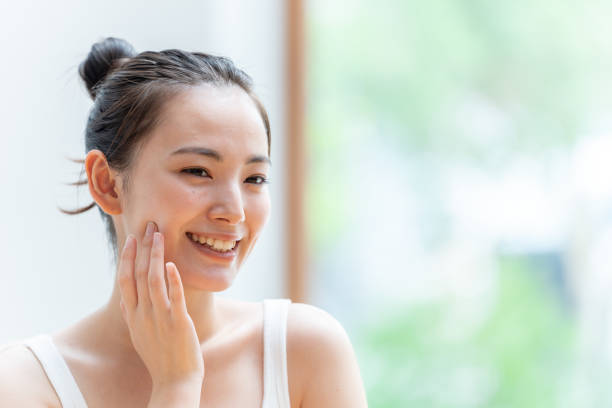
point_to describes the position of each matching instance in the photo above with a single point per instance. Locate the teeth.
(217, 244)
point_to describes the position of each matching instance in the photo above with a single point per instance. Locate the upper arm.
(325, 359)
(23, 382)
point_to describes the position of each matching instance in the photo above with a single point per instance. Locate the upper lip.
(222, 237)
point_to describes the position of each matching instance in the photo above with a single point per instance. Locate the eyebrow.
(216, 155)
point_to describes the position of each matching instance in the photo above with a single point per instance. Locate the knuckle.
(163, 311)
(178, 317)
(144, 309)
(140, 273)
(124, 278)
(155, 281)
(156, 252)
(139, 264)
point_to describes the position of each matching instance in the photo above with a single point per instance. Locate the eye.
(260, 180)
(195, 171)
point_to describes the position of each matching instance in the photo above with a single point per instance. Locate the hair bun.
(102, 58)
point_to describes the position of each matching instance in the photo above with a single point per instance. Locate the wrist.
(177, 394)
(194, 381)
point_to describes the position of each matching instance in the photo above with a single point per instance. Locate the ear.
(102, 182)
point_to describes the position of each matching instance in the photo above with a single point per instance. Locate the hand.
(161, 330)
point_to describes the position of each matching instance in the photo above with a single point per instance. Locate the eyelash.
(199, 169)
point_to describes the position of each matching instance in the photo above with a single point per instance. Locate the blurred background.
(455, 192)
(459, 197)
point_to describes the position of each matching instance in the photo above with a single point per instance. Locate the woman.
(177, 161)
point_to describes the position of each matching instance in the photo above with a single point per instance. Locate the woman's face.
(201, 172)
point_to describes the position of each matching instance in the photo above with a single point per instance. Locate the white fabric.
(57, 371)
(276, 384)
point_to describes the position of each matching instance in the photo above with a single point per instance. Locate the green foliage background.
(409, 68)
(521, 355)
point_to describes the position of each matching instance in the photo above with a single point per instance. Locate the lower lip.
(224, 256)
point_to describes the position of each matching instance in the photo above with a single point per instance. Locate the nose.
(227, 206)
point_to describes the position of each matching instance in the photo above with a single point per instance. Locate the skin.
(162, 332)
(163, 339)
(223, 199)
(225, 196)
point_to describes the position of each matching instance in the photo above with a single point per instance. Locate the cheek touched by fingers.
(157, 283)
(142, 268)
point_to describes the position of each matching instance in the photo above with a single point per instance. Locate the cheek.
(174, 202)
(166, 202)
(257, 211)
(171, 193)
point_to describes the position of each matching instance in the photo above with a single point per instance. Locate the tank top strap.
(276, 384)
(57, 370)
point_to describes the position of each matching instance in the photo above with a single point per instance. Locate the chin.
(209, 279)
(210, 286)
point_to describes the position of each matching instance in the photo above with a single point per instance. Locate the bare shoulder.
(23, 383)
(307, 324)
(321, 356)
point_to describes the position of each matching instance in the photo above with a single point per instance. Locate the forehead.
(223, 118)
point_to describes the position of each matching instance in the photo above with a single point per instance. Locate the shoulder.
(322, 357)
(22, 379)
(307, 323)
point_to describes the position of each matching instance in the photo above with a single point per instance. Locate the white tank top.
(276, 385)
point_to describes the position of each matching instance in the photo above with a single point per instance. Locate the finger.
(175, 287)
(157, 284)
(123, 311)
(142, 265)
(127, 284)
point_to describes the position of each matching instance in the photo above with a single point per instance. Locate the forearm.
(185, 395)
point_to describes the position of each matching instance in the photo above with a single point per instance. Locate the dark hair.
(129, 90)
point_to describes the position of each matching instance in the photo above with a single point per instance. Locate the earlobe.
(102, 182)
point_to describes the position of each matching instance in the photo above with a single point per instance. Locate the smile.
(216, 245)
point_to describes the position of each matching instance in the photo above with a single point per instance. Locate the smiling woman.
(217, 197)
(178, 157)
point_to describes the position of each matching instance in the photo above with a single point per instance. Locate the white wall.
(56, 268)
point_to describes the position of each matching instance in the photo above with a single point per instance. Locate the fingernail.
(127, 241)
(150, 228)
(156, 238)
